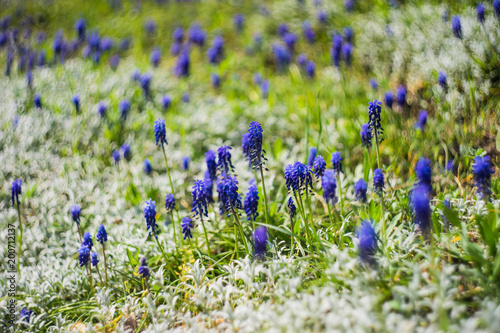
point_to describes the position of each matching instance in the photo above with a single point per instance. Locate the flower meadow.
(282, 166)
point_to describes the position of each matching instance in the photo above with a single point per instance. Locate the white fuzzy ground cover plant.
(313, 275)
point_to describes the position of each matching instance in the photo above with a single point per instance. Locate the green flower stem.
(164, 256)
(20, 238)
(105, 263)
(173, 192)
(206, 236)
(302, 212)
(265, 194)
(79, 232)
(384, 227)
(237, 220)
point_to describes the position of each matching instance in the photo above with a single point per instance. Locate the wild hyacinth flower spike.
(15, 191)
(102, 237)
(257, 157)
(367, 238)
(251, 202)
(420, 203)
(482, 170)
(337, 167)
(360, 189)
(378, 185)
(423, 169)
(260, 242)
(232, 201)
(84, 260)
(224, 163)
(144, 272)
(75, 215)
(375, 124)
(200, 209)
(319, 166)
(186, 227)
(150, 216)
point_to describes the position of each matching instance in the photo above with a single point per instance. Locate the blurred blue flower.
(310, 69)
(302, 60)
(349, 34)
(283, 29)
(360, 189)
(282, 56)
(185, 163)
(496, 8)
(322, 17)
(197, 35)
(255, 151)
(367, 241)
(124, 107)
(150, 215)
(116, 156)
(260, 242)
(169, 202)
(75, 213)
(298, 177)
(420, 203)
(155, 57)
(366, 135)
(319, 165)
(422, 120)
(166, 101)
(185, 97)
(16, 191)
(251, 202)
(145, 82)
(423, 170)
(38, 100)
(211, 164)
(373, 84)
(389, 99)
(401, 95)
(378, 181)
(329, 184)
(290, 39)
(215, 80)
(238, 21)
(178, 35)
(26, 314)
(182, 64)
(230, 196)
(102, 108)
(336, 50)
(76, 102)
(480, 12)
(482, 170)
(312, 155)
(87, 240)
(102, 235)
(83, 255)
(347, 53)
(264, 87)
(208, 186)
(292, 210)
(450, 166)
(442, 79)
(144, 269)
(337, 162)
(147, 167)
(186, 227)
(456, 26)
(150, 26)
(80, 29)
(93, 259)
(126, 151)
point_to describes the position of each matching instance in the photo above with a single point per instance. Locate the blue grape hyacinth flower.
(229, 195)
(420, 203)
(367, 241)
(93, 259)
(102, 235)
(37, 100)
(87, 240)
(442, 79)
(224, 162)
(337, 162)
(124, 107)
(255, 151)
(169, 202)
(260, 242)
(482, 170)
(480, 10)
(150, 215)
(211, 164)
(456, 26)
(186, 227)
(155, 57)
(102, 108)
(319, 166)
(83, 256)
(251, 202)
(496, 8)
(166, 101)
(160, 132)
(76, 102)
(75, 213)
(15, 191)
(329, 184)
(401, 95)
(378, 181)
(208, 186)
(366, 135)
(200, 201)
(292, 209)
(185, 163)
(375, 119)
(422, 120)
(360, 189)
(238, 21)
(126, 151)
(310, 69)
(26, 314)
(148, 168)
(144, 269)
(389, 99)
(423, 169)
(116, 156)
(312, 155)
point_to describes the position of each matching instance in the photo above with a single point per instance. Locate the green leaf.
(131, 258)
(281, 230)
(451, 216)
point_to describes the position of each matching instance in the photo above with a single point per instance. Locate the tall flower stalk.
(257, 157)
(102, 237)
(15, 192)
(161, 140)
(200, 209)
